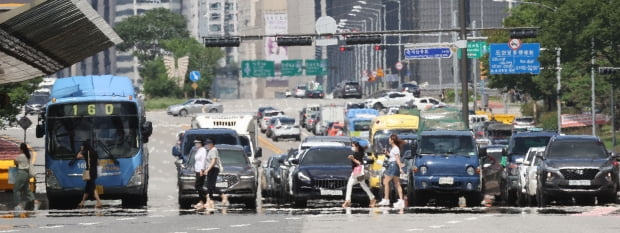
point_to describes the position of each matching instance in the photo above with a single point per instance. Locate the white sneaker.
(400, 204)
(198, 206)
(384, 202)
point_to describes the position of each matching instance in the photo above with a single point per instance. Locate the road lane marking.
(292, 218)
(471, 219)
(598, 211)
(265, 143)
(208, 229)
(240, 225)
(415, 229)
(436, 226)
(125, 219)
(269, 221)
(89, 223)
(51, 227)
(454, 222)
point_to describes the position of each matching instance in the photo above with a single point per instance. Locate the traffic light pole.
(463, 69)
(558, 74)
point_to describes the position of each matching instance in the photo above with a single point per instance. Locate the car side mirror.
(526, 163)
(40, 131)
(147, 130)
(179, 163)
(294, 161)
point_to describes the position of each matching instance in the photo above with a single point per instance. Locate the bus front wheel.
(135, 201)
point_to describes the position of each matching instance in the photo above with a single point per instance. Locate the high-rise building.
(112, 61)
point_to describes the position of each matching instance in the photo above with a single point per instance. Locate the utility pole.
(593, 88)
(464, 71)
(558, 74)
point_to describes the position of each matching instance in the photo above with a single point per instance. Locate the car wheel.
(473, 200)
(250, 203)
(213, 110)
(183, 112)
(377, 106)
(300, 203)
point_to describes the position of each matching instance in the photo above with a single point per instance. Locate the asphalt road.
(164, 215)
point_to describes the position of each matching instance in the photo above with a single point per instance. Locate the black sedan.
(271, 176)
(320, 94)
(323, 173)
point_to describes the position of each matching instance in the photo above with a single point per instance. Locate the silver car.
(193, 106)
(285, 127)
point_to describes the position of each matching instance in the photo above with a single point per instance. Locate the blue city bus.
(104, 111)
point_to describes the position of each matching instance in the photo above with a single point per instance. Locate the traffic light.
(380, 47)
(483, 71)
(294, 41)
(345, 48)
(607, 70)
(363, 39)
(222, 41)
(523, 33)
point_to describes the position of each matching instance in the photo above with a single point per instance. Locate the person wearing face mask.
(358, 166)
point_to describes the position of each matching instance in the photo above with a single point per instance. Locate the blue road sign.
(194, 75)
(524, 60)
(427, 53)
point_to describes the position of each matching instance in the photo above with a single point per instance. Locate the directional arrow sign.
(257, 68)
(291, 67)
(194, 75)
(316, 67)
(506, 60)
(427, 53)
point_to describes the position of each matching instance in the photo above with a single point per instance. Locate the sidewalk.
(8, 149)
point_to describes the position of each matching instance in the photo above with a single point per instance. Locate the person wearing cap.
(199, 165)
(212, 170)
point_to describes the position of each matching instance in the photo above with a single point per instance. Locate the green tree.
(156, 81)
(571, 25)
(143, 33)
(18, 93)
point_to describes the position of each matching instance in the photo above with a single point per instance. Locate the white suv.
(426, 103)
(392, 98)
(285, 127)
(267, 115)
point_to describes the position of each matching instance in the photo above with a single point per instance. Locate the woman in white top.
(21, 185)
(392, 173)
(199, 166)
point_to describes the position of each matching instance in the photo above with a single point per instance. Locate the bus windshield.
(113, 132)
(361, 125)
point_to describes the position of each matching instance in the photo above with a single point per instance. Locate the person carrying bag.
(357, 175)
(21, 178)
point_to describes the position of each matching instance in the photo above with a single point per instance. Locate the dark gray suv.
(577, 166)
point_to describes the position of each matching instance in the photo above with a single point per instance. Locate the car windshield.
(381, 138)
(227, 139)
(576, 150)
(270, 114)
(327, 156)
(447, 144)
(361, 125)
(522, 144)
(287, 121)
(233, 157)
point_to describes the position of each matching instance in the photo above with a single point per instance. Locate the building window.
(230, 28)
(215, 6)
(230, 6)
(229, 17)
(215, 28)
(215, 16)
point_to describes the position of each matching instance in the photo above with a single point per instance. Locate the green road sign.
(291, 67)
(475, 49)
(316, 67)
(257, 68)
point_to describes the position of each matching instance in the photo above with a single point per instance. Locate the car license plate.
(221, 184)
(579, 182)
(331, 192)
(446, 180)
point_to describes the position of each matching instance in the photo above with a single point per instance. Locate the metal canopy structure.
(46, 36)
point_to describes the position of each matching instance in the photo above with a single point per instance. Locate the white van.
(243, 123)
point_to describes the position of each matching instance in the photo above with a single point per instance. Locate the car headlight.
(246, 177)
(423, 170)
(471, 171)
(302, 176)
